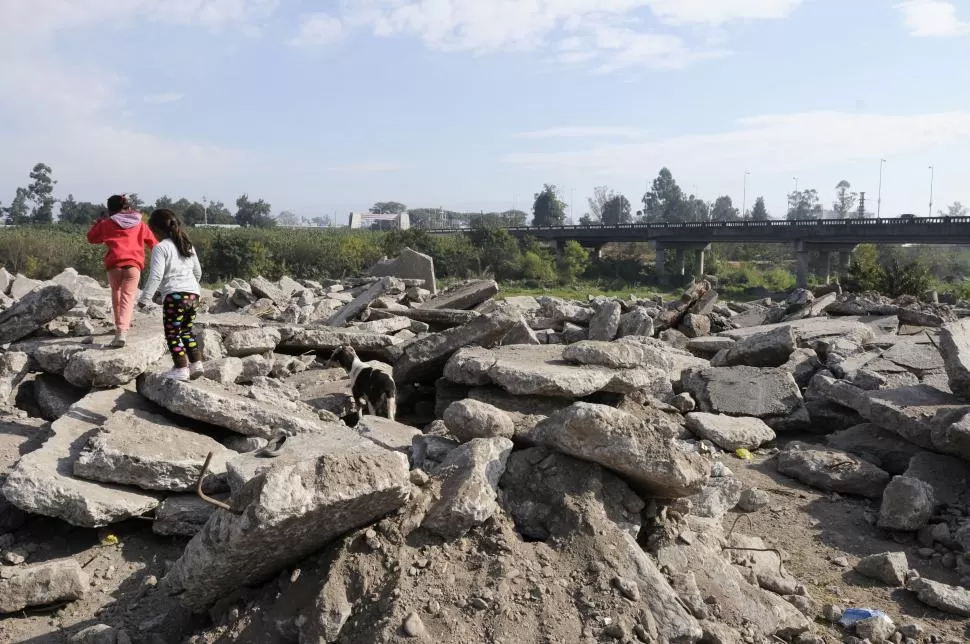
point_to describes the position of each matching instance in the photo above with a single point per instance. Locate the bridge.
(825, 236)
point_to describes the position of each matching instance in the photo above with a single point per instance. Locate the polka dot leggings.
(178, 316)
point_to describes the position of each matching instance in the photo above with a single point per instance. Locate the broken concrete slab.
(769, 349)
(810, 332)
(51, 582)
(423, 360)
(409, 264)
(728, 432)
(248, 342)
(541, 371)
(54, 396)
(33, 310)
(468, 490)
(264, 288)
(438, 318)
(949, 599)
(326, 341)
(925, 416)
(709, 346)
(695, 326)
(839, 392)
(907, 504)
(387, 433)
(947, 476)
(286, 512)
(617, 355)
(605, 323)
(955, 349)
(879, 446)
(918, 357)
(717, 498)
(362, 301)
(832, 471)
(743, 391)
(183, 515)
(95, 365)
(742, 605)
(625, 444)
(146, 450)
(525, 412)
(462, 296)
(637, 323)
(43, 481)
(469, 419)
(212, 403)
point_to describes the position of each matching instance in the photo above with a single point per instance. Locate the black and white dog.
(373, 390)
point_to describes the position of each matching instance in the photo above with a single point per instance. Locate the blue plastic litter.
(854, 615)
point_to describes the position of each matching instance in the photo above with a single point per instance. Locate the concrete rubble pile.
(557, 471)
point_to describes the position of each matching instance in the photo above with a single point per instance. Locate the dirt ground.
(823, 535)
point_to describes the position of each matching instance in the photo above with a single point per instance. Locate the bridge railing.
(773, 223)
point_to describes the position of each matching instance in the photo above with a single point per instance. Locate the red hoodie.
(125, 235)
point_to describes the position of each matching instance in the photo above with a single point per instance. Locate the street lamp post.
(882, 162)
(932, 177)
(205, 210)
(744, 202)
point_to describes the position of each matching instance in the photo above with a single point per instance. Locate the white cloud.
(767, 144)
(932, 18)
(605, 33)
(318, 29)
(580, 132)
(165, 97)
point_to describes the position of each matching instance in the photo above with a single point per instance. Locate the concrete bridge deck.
(807, 235)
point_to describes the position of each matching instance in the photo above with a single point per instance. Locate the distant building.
(367, 219)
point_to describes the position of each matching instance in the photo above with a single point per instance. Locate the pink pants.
(124, 288)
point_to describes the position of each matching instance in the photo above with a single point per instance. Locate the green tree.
(955, 209)
(845, 200)
(192, 214)
(498, 250)
(217, 213)
(573, 262)
(41, 193)
(253, 214)
(537, 268)
(865, 273)
(288, 218)
(665, 201)
(81, 213)
(388, 207)
(804, 205)
(912, 278)
(597, 203)
(760, 212)
(548, 209)
(18, 213)
(136, 202)
(696, 209)
(616, 211)
(724, 210)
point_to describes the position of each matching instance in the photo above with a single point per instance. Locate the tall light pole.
(744, 203)
(791, 202)
(205, 210)
(882, 162)
(932, 176)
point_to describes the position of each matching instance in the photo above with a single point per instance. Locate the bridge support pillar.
(801, 268)
(701, 256)
(660, 262)
(681, 262)
(825, 259)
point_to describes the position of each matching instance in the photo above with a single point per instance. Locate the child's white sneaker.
(121, 339)
(196, 370)
(178, 374)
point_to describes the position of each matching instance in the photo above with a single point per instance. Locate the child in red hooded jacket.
(126, 235)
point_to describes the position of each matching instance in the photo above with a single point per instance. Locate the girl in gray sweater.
(175, 274)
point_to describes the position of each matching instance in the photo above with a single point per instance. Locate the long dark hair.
(118, 203)
(166, 224)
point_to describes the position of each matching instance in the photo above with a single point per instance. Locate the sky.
(327, 106)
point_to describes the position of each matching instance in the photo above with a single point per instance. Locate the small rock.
(419, 478)
(627, 588)
(912, 630)
(753, 499)
(683, 403)
(832, 613)
(875, 629)
(887, 567)
(841, 562)
(413, 626)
